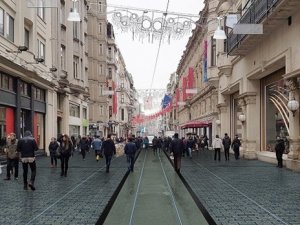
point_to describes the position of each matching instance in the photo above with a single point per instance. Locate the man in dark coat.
(130, 150)
(176, 147)
(27, 147)
(226, 143)
(236, 143)
(279, 148)
(109, 149)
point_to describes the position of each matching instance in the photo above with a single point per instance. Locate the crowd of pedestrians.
(64, 147)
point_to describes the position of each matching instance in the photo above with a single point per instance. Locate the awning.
(194, 124)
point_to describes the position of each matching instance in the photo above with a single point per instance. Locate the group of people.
(24, 150)
(225, 144)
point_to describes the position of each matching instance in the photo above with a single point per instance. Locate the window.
(1, 21)
(9, 28)
(110, 111)
(60, 101)
(122, 115)
(100, 28)
(100, 7)
(41, 13)
(101, 90)
(84, 113)
(24, 88)
(81, 65)
(101, 69)
(75, 30)
(62, 14)
(6, 82)
(109, 73)
(101, 110)
(213, 52)
(109, 53)
(122, 98)
(41, 49)
(63, 57)
(75, 66)
(74, 110)
(101, 49)
(122, 84)
(38, 94)
(26, 38)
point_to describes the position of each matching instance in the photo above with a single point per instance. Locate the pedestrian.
(53, 148)
(27, 147)
(130, 150)
(236, 144)
(96, 145)
(176, 147)
(226, 144)
(65, 150)
(279, 148)
(84, 146)
(190, 144)
(12, 156)
(154, 144)
(109, 149)
(217, 145)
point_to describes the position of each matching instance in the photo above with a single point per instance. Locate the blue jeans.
(130, 160)
(108, 160)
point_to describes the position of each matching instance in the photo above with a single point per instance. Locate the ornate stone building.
(259, 77)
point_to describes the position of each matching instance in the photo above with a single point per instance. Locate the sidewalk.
(78, 199)
(244, 191)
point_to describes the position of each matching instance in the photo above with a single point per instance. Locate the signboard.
(42, 3)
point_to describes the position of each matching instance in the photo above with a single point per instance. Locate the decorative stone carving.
(291, 84)
(250, 99)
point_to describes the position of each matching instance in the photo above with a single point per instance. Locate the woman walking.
(12, 156)
(65, 153)
(84, 146)
(53, 146)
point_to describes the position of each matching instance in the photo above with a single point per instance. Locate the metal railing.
(256, 12)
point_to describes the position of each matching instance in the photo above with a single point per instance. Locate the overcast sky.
(140, 57)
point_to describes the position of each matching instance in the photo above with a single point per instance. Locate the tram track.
(154, 194)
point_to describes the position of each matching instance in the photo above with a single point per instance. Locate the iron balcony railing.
(256, 12)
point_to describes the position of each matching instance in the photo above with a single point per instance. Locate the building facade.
(260, 77)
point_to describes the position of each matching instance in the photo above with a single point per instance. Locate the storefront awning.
(194, 124)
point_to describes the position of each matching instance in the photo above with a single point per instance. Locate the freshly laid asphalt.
(233, 192)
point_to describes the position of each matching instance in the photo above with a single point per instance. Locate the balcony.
(270, 13)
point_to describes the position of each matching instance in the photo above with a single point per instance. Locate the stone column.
(251, 126)
(224, 117)
(294, 139)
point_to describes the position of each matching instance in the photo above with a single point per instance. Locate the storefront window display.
(276, 114)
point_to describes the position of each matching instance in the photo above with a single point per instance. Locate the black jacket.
(109, 147)
(27, 146)
(176, 146)
(53, 146)
(226, 142)
(279, 147)
(130, 148)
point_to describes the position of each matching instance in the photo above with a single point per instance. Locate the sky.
(140, 56)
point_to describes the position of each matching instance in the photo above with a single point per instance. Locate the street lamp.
(242, 118)
(74, 15)
(219, 33)
(293, 106)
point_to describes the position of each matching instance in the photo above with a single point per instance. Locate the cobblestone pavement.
(246, 192)
(77, 199)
